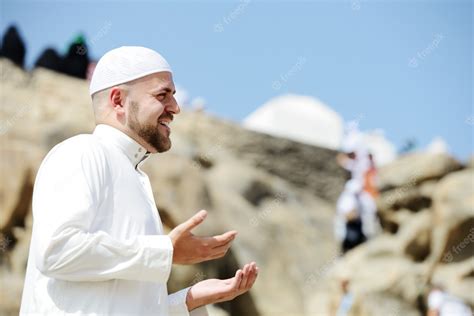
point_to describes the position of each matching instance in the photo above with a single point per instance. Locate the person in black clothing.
(348, 223)
(50, 59)
(76, 61)
(354, 234)
(13, 46)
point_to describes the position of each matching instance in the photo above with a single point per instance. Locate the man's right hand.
(190, 249)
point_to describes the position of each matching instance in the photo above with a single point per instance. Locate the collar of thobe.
(135, 152)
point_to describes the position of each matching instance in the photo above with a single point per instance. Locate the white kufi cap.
(125, 64)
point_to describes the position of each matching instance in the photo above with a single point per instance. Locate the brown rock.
(453, 207)
(393, 305)
(457, 279)
(412, 169)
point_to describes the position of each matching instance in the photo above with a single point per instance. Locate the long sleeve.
(177, 305)
(69, 190)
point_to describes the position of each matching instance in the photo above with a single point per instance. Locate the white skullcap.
(125, 64)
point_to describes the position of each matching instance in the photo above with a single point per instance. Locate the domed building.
(307, 120)
(299, 118)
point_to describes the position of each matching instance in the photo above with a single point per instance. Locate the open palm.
(215, 290)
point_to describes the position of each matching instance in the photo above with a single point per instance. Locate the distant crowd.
(74, 62)
(356, 221)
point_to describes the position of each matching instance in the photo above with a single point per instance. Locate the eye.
(161, 96)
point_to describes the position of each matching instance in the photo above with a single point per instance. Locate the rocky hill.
(278, 194)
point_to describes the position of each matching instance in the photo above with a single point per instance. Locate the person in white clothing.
(356, 217)
(441, 303)
(98, 246)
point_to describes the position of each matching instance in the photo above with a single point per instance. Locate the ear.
(117, 100)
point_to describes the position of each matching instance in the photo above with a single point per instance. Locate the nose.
(174, 106)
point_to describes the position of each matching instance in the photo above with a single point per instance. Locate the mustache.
(166, 116)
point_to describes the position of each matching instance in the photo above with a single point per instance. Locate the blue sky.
(403, 66)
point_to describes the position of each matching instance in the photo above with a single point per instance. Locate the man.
(348, 226)
(97, 245)
(356, 217)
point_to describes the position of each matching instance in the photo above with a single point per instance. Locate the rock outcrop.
(278, 194)
(271, 191)
(427, 211)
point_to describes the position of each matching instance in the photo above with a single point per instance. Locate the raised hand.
(214, 290)
(190, 249)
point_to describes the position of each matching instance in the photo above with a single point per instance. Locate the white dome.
(438, 146)
(300, 118)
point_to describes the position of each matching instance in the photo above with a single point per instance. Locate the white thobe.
(97, 245)
(354, 198)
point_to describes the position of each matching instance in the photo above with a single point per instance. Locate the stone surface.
(278, 194)
(412, 169)
(457, 278)
(453, 207)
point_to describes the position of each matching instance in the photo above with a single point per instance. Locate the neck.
(126, 130)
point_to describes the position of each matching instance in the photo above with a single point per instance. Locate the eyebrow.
(165, 89)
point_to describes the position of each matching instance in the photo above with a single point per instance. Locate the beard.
(150, 133)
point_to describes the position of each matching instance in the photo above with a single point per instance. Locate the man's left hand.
(214, 290)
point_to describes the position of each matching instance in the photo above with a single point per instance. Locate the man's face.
(151, 106)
